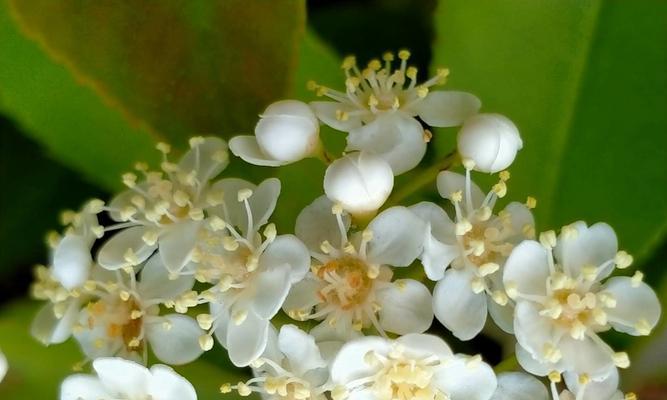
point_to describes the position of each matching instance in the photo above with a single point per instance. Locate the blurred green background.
(88, 87)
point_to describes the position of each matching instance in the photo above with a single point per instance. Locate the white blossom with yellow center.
(251, 272)
(379, 106)
(166, 209)
(562, 302)
(414, 366)
(475, 244)
(118, 379)
(291, 368)
(349, 286)
(121, 316)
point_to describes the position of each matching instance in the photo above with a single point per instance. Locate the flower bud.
(360, 182)
(491, 141)
(288, 131)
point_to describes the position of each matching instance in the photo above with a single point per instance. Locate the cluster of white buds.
(189, 261)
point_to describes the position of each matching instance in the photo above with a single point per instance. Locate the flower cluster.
(191, 259)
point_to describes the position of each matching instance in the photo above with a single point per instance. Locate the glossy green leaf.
(181, 67)
(76, 126)
(35, 371)
(585, 83)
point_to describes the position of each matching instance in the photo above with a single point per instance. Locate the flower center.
(347, 282)
(121, 320)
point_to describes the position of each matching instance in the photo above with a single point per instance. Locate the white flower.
(360, 182)
(120, 379)
(476, 245)
(291, 367)
(490, 141)
(166, 209)
(287, 132)
(562, 303)
(251, 275)
(414, 366)
(379, 106)
(124, 317)
(349, 287)
(519, 386)
(582, 387)
(3, 366)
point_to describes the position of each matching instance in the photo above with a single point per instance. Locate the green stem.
(424, 178)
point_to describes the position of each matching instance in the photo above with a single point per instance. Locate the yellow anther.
(342, 115)
(600, 316)
(217, 224)
(630, 396)
(468, 164)
(462, 227)
(206, 342)
(442, 74)
(642, 327)
(499, 297)
(569, 232)
(375, 64)
(243, 194)
(637, 279)
(163, 148)
(411, 73)
(339, 393)
(141, 166)
(511, 288)
(196, 141)
(312, 85)
(388, 56)
(136, 314)
(488, 268)
(134, 343)
(124, 295)
(349, 62)
(621, 359)
(226, 388)
(337, 209)
(127, 212)
(477, 285)
(422, 91)
(554, 376)
(243, 389)
(548, 239)
(551, 353)
(130, 257)
(372, 101)
(205, 321)
(623, 259)
(270, 231)
(404, 54)
(504, 175)
(457, 196)
(196, 214)
(500, 189)
(150, 237)
(584, 379)
(531, 202)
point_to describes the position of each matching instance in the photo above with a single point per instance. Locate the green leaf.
(35, 371)
(182, 67)
(585, 83)
(76, 126)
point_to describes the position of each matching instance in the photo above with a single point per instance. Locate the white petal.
(166, 384)
(262, 202)
(208, 158)
(519, 386)
(327, 111)
(530, 364)
(349, 364)
(50, 330)
(177, 242)
(440, 247)
(527, 267)
(123, 376)
(3, 366)
(419, 345)
(520, 216)
(83, 387)
(603, 389)
(397, 138)
(155, 282)
(405, 307)
(447, 108)
(340, 331)
(288, 250)
(503, 316)
(532, 330)
(362, 394)
(72, 261)
(316, 223)
(302, 295)
(247, 341)
(221, 313)
(247, 148)
(451, 182)
(586, 356)
(300, 349)
(397, 237)
(176, 344)
(592, 245)
(464, 381)
(270, 288)
(632, 304)
(457, 307)
(290, 135)
(112, 254)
